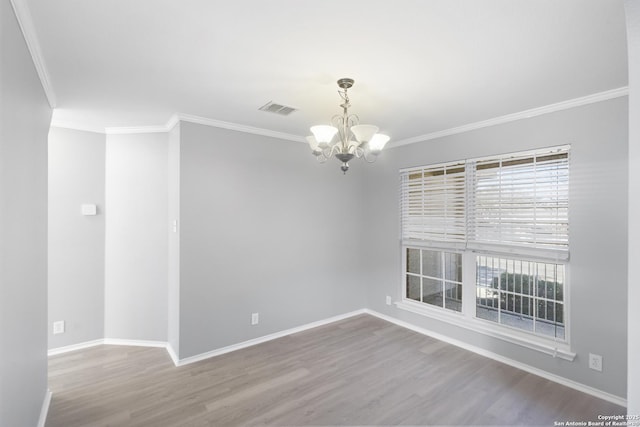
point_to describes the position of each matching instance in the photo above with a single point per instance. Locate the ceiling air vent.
(272, 107)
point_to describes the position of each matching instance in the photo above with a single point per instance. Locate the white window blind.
(512, 203)
(433, 203)
(521, 201)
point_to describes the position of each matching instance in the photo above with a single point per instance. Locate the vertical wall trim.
(632, 10)
(45, 408)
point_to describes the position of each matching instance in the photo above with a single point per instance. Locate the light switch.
(88, 209)
(58, 327)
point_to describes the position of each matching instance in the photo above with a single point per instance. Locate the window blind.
(512, 203)
(433, 203)
(520, 201)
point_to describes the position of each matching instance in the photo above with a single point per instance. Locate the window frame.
(467, 318)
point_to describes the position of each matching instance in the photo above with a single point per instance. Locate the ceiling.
(420, 66)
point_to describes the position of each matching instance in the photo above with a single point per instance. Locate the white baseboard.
(181, 362)
(265, 338)
(45, 408)
(136, 343)
(173, 355)
(73, 347)
(106, 341)
(527, 368)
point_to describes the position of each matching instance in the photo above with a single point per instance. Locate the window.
(521, 294)
(434, 277)
(506, 215)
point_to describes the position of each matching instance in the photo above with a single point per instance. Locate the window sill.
(557, 349)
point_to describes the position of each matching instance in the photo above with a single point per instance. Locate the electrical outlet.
(388, 300)
(255, 318)
(595, 362)
(58, 327)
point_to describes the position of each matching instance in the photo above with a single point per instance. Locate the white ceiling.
(420, 66)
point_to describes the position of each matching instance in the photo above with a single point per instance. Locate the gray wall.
(598, 218)
(24, 124)
(264, 229)
(136, 247)
(76, 242)
(633, 39)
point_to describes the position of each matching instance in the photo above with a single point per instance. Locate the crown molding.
(171, 123)
(526, 114)
(240, 128)
(23, 15)
(63, 124)
(178, 117)
(136, 129)
(173, 120)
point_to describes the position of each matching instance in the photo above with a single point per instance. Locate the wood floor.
(360, 371)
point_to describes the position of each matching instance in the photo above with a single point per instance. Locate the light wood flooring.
(360, 371)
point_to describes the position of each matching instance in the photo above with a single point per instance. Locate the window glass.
(432, 263)
(413, 287)
(413, 261)
(453, 267)
(434, 278)
(521, 294)
(432, 291)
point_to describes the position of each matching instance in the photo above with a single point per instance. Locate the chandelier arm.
(320, 156)
(369, 159)
(333, 150)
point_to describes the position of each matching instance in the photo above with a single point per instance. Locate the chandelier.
(353, 139)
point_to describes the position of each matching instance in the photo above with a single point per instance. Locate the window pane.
(527, 278)
(425, 278)
(432, 263)
(528, 295)
(542, 287)
(453, 296)
(560, 283)
(413, 287)
(487, 297)
(413, 261)
(549, 327)
(502, 280)
(559, 296)
(486, 308)
(527, 306)
(509, 318)
(453, 267)
(432, 292)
